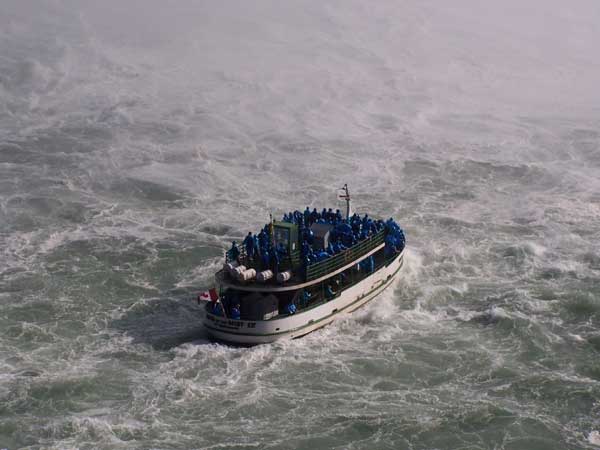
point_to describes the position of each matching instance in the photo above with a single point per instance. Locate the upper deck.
(302, 275)
(305, 248)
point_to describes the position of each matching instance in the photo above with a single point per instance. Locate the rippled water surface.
(138, 139)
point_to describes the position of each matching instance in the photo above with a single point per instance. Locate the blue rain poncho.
(234, 251)
(235, 313)
(249, 245)
(305, 297)
(329, 292)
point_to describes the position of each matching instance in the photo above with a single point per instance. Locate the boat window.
(282, 236)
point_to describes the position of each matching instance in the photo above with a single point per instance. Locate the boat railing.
(319, 269)
(338, 261)
(288, 262)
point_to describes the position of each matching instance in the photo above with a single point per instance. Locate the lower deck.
(317, 313)
(238, 304)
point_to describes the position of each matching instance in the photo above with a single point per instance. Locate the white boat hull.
(292, 326)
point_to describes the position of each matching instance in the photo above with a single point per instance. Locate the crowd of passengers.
(344, 234)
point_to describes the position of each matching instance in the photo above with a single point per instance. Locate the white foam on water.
(199, 275)
(58, 238)
(536, 248)
(577, 337)
(413, 266)
(145, 284)
(178, 126)
(594, 437)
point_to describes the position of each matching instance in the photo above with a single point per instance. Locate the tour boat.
(302, 273)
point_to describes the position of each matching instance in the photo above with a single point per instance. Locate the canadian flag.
(208, 296)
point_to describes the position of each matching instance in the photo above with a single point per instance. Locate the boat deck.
(316, 273)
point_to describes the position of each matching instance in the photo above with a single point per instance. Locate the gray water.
(137, 140)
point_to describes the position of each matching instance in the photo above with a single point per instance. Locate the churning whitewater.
(138, 139)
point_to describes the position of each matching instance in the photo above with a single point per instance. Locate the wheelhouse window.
(282, 236)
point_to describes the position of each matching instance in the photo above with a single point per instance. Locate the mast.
(346, 197)
(271, 230)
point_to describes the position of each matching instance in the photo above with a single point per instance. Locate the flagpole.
(346, 197)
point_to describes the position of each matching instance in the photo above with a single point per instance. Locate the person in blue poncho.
(262, 239)
(305, 298)
(372, 227)
(336, 247)
(347, 239)
(266, 259)
(322, 255)
(304, 250)
(329, 293)
(401, 241)
(389, 245)
(217, 308)
(314, 215)
(291, 308)
(355, 224)
(235, 312)
(361, 266)
(234, 252)
(256, 245)
(300, 221)
(249, 245)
